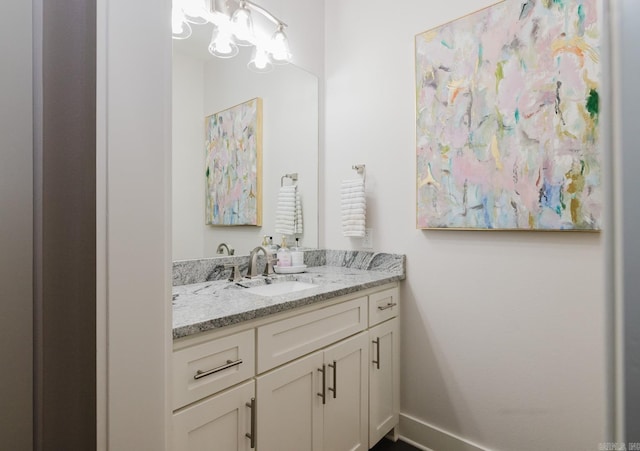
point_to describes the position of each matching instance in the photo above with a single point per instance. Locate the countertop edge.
(234, 319)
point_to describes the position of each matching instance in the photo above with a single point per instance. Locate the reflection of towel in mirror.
(353, 206)
(289, 211)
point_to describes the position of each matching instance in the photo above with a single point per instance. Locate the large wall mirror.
(203, 85)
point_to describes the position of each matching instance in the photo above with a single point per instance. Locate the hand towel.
(289, 211)
(353, 207)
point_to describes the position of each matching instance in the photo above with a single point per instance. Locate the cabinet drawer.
(204, 369)
(383, 306)
(288, 339)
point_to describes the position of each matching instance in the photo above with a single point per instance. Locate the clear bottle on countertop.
(273, 248)
(297, 256)
(265, 243)
(284, 254)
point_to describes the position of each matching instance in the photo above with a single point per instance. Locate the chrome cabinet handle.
(334, 389)
(388, 306)
(323, 395)
(377, 360)
(230, 363)
(252, 435)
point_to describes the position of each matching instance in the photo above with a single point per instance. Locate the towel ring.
(293, 176)
(361, 169)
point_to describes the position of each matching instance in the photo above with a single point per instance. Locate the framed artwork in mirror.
(233, 165)
(507, 111)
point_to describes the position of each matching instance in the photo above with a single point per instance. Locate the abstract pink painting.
(233, 166)
(507, 110)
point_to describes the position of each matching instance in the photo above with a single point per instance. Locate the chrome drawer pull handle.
(323, 395)
(230, 363)
(252, 435)
(334, 366)
(388, 306)
(377, 361)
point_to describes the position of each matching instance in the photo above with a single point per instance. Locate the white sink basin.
(279, 288)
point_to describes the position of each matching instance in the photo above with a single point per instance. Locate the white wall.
(187, 155)
(16, 226)
(503, 340)
(133, 267)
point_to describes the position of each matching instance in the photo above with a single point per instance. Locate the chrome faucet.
(252, 270)
(223, 246)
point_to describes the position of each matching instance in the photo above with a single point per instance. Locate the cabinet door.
(289, 407)
(217, 423)
(345, 412)
(384, 379)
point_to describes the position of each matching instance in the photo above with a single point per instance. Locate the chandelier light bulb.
(222, 44)
(260, 61)
(196, 11)
(280, 53)
(242, 25)
(179, 26)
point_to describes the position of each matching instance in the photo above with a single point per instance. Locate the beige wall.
(503, 340)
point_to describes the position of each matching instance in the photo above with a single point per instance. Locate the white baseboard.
(428, 437)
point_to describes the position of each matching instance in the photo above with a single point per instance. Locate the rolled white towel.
(351, 188)
(298, 213)
(289, 211)
(347, 198)
(350, 217)
(285, 210)
(353, 207)
(355, 203)
(352, 182)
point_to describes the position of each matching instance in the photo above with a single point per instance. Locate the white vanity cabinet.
(310, 373)
(318, 402)
(384, 379)
(384, 364)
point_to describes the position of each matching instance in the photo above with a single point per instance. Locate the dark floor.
(388, 445)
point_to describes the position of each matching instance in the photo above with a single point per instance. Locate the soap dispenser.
(267, 248)
(297, 256)
(284, 254)
(273, 248)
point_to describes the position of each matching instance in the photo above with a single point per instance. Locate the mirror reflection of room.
(204, 85)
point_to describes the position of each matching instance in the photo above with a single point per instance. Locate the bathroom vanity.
(315, 368)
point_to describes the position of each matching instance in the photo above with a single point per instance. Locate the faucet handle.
(235, 272)
(268, 267)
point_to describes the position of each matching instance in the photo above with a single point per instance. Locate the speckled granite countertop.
(208, 305)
